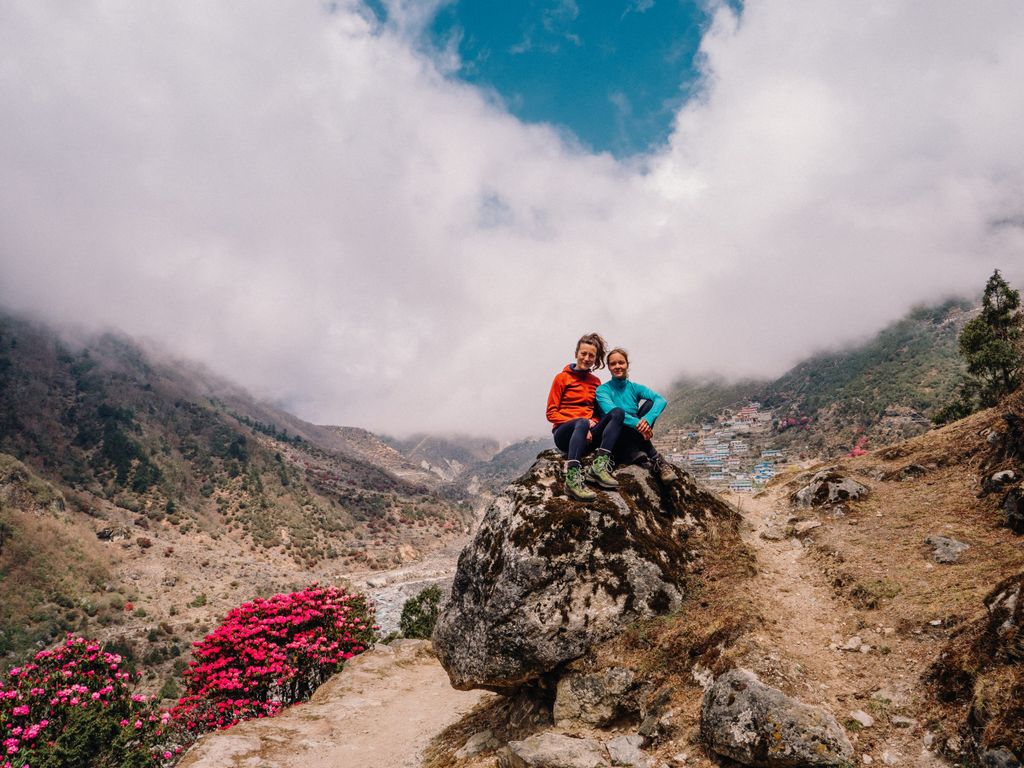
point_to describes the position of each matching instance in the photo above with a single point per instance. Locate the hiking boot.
(663, 469)
(600, 471)
(576, 486)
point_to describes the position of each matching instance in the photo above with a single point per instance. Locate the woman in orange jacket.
(574, 428)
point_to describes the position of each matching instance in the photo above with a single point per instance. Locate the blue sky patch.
(611, 73)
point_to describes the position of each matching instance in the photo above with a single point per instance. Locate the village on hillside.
(732, 452)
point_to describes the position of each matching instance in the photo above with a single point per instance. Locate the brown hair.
(619, 351)
(598, 341)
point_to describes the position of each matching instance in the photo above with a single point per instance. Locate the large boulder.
(827, 488)
(755, 724)
(547, 576)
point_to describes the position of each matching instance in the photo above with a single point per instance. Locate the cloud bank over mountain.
(303, 199)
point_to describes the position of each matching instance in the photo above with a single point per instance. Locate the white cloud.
(301, 200)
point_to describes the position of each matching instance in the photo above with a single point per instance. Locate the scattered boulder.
(828, 487)
(481, 741)
(946, 550)
(862, 717)
(547, 576)
(553, 750)
(999, 758)
(595, 698)
(113, 533)
(755, 724)
(1013, 506)
(626, 750)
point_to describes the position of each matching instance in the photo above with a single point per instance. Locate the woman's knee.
(617, 414)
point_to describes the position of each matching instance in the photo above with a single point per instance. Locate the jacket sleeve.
(658, 403)
(605, 403)
(555, 398)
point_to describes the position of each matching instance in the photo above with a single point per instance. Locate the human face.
(618, 365)
(586, 356)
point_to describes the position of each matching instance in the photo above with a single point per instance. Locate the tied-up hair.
(619, 351)
(597, 341)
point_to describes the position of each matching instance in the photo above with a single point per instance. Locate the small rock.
(552, 750)
(890, 758)
(773, 533)
(803, 527)
(681, 758)
(862, 717)
(625, 750)
(898, 721)
(595, 698)
(376, 582)
(946, 550)
(1005, 477)
(866, 759)
(999, 758)
(853, 644)
(477, 743)
(935, 623)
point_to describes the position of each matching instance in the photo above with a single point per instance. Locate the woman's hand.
(646, 430)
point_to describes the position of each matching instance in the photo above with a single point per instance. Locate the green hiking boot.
(600, 471)
(576, 486)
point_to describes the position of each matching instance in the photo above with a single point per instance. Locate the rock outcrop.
(547, 576)
(828, 487)
(754, 724)
(983, 664)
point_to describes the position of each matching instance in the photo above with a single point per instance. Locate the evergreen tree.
(990, 342)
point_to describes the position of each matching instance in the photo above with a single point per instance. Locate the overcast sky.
(315, 202)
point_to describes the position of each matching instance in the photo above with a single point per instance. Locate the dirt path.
(380, 712)
(809, 643)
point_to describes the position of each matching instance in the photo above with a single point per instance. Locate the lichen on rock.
(547, 576)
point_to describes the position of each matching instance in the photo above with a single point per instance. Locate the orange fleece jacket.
(572, 396)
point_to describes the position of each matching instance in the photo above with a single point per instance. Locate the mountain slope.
(884, 389)
(202, 485)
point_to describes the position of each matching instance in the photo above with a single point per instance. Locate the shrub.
(419, 614)
(271, 653)
(73, 707)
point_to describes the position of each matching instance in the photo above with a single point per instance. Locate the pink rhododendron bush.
(271, 653)
(74, 707)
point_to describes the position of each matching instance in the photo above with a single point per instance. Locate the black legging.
(571, 437)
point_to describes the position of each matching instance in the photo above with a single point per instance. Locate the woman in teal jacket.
(641, 406)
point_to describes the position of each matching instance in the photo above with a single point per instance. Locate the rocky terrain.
(865, 612)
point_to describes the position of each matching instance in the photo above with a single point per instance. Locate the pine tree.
(990, 342)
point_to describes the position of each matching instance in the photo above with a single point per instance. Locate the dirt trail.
(380, 712)
(806, 642)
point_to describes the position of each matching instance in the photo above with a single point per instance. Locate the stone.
(552, 750)
(999, 758)
(595, 698)
(376, 582)
(1013, 506)
(891, 758)
(547, 576)
(113, 533)
(853, 644)
(481, 741)
(805, 526)
(827, 488)
(773, 533)
(866, 759)
(862, 717)
(899, 721)
(944, 549)
(755, 724)
(625, 750)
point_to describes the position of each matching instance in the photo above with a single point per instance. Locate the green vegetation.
(991, 346)
(419, 614)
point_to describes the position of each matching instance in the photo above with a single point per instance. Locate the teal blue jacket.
(626, 394)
